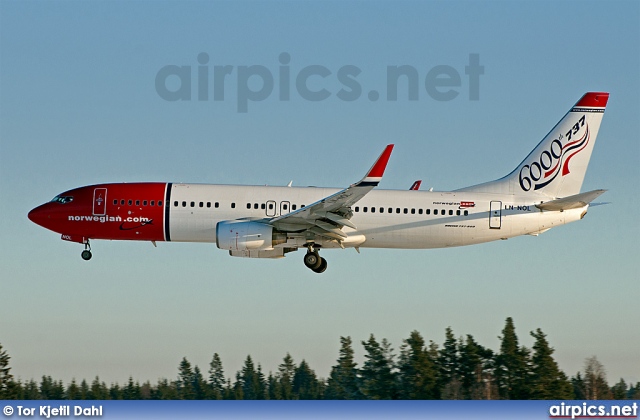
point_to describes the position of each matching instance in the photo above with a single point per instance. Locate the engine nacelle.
(243, 235)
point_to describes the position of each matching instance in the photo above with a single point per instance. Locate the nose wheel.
(314, 261)
(86, 254)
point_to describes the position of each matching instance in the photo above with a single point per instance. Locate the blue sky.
(78, 106)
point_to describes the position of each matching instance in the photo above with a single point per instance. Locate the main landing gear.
(86, 254)
(314, 261)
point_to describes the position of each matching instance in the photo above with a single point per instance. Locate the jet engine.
(243, 235)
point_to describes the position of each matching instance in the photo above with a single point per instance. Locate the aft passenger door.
(495, 215)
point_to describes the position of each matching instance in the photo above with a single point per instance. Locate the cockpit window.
(62, 199)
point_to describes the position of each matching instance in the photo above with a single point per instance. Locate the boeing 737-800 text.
(542, 192)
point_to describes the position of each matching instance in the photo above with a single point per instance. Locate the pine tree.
(131, 391)
(511, 366)
(185, 380)
(216, 377)
(417, 373)
(343, 379)
(578, 387)
(285, 378)
(377, 377)
(305, 384)
(199, 385)
(476, 370)
(448, 362)
(619, 391)
(98, 390)
(252, 381)
(5, 375)
(52, 390)
(31, 391)
(73, 392)
(548, 381)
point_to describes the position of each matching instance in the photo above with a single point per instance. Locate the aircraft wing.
(328, 216)
(571, 202)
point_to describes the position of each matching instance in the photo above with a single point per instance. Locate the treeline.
(458, 369)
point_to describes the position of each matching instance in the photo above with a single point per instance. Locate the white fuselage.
(384, 218)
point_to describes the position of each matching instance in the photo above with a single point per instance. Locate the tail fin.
(556, 167)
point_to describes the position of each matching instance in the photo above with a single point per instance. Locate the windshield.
(62, 199)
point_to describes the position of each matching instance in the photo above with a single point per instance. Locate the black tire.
(86, 255)
(322, 267)
(312, 260)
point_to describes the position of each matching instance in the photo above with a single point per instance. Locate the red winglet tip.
(594, 99)
(377, 170)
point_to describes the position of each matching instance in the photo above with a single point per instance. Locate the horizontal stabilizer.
(571, 202)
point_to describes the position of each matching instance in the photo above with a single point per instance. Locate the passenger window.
(419, 211)
(413, 211)
(294, 206)
(130, 202)
(233, 205)
(208, 204)
(122, 202)
(201, 204)
(152, 202)
(248, 206)
(435, 211)
(193, 204)
(270, 206)
(284, 206)
(160, 203)
(398, 210)
(216, 205)
(466, 212)
(263, 206)
(381, 209)
(373, 209)
(144, 203)
(137, 202)
(457, 212)
(255, 206)
(428, 211)
(175, 204)
(390, 210)
(364, 209)
(115, 202)
(357, 209)
(184, 204)
(450, 212)
(406, 210)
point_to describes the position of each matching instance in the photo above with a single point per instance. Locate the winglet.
(377, 170)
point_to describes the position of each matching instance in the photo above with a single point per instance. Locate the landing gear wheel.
(312, 260)
(321, 267)
(86, 255)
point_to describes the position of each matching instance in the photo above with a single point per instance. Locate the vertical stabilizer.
(556, 167)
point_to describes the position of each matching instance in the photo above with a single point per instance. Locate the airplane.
(542, 192)
(416, 185)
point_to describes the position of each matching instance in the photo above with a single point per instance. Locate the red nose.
(39, 215)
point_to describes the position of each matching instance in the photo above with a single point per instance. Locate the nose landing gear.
(86, 254)
(314, 261)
